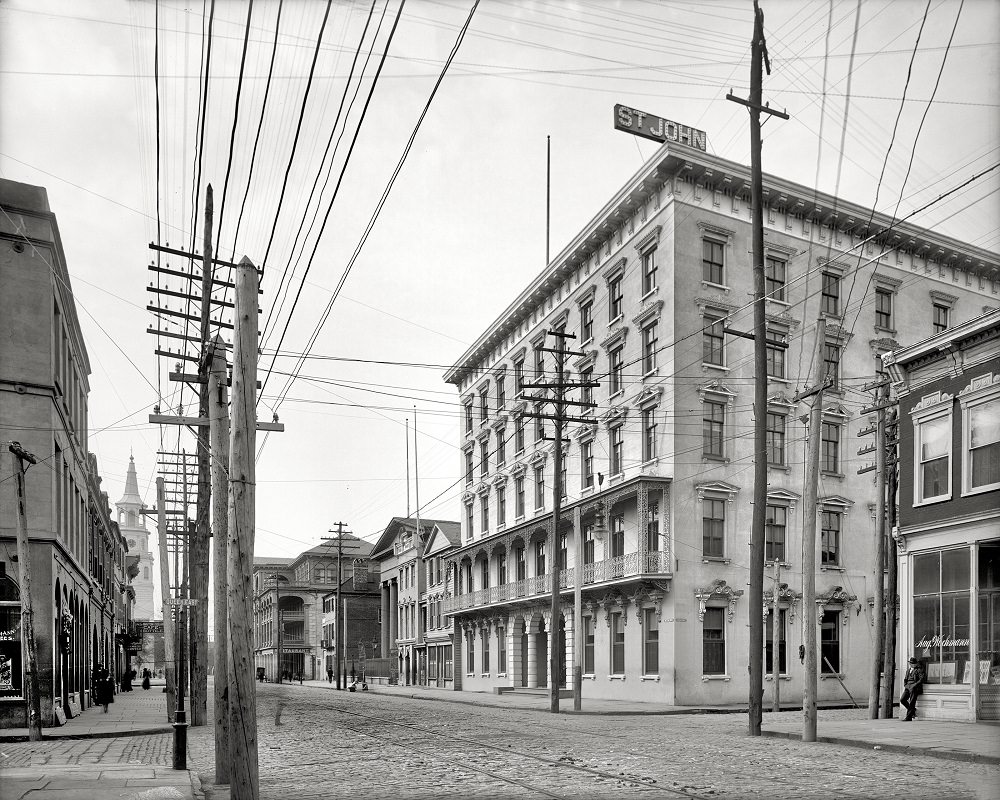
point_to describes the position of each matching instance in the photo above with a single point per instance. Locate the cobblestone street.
(332, 744)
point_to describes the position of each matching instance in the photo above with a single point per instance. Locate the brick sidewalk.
(126, 753)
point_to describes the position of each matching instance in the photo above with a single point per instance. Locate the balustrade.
(628, 565)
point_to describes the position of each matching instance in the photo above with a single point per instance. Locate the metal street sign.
(182, 601)
(650, 126)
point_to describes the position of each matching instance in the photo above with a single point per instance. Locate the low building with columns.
(657, 482)
(400, 552)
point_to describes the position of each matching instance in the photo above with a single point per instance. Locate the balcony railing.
(626, 566)
(290, 616)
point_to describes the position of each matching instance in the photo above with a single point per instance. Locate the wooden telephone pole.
(340, 624)
(809, 537)
(759, 57)
(244, 775)
(559, 403)
(218, 415)
(18, 455)
(881, 468)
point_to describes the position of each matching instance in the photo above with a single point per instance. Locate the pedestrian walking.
(913, 685)
(329, 675)
(103, 687)
(146, 676)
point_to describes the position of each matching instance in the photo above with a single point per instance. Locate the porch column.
(642, 518)
(532, 657)
(567, 612)
(393, 613)
(386, 611)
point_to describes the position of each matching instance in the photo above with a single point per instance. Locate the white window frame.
(938, 405)
(983, 389)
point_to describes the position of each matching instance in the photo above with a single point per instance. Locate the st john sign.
(632, 120)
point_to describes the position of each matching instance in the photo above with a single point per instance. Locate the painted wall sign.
(650, 126)
(941, 641)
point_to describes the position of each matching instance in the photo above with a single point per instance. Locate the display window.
(941, 615)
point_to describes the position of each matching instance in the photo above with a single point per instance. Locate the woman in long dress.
(103, 691)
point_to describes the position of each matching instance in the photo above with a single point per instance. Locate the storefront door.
(988, 639)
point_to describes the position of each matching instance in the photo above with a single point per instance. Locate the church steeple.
(131, 496)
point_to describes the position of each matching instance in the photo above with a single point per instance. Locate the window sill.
(651, 462)
(649, 294)
(715, 560)
(616, 320)
(586, 490)
(717, 459)
(588, 340)
(777, 379)
(719, 286)
(931, 501)
(720, 367)
(833, 676)
(707, 678)
(783, 564)
(832, 568)
(616, 393)
(590, 676)
(655, 678)
(990, 487)
(484, 675)
(501, 674)
(888, 331)
(827, 474)
(769, 677)
(616, 677)
(618, 477)
(651, 373)
(776, 301)
(779, 467)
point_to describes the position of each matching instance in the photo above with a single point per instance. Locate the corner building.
(660, 485)
(78, 555)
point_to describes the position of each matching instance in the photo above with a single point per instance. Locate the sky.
(463, 227)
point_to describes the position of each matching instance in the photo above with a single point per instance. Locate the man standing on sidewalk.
(913, 684)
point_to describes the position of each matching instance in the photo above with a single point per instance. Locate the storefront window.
(10, 639)
(941, 632)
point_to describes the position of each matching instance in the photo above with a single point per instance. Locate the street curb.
(95, 735)
(950, 755)
(669, 712)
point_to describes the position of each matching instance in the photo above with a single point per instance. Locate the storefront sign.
(650, 126)
(941, 641)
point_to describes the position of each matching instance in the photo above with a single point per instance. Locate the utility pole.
(218, 416)
(559, 402)
(892, 563)
(759, 58)
(775, 641)
(18, 455)
(198, 629)
(170, 651)
(809, 537)
(881, 469)
(340, 635)
(244, 775)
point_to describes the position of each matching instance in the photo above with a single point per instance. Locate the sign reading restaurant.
(632, 120)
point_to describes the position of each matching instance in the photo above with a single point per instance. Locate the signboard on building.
(650, 126)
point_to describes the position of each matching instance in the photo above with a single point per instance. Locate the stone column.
(532, 658)
(393, 613)
(386, 622)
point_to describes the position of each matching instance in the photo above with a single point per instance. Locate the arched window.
(11, 679)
